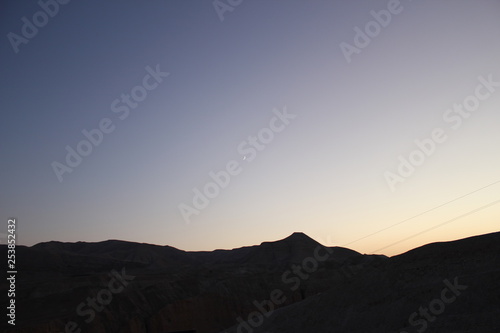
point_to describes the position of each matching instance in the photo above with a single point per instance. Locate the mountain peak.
(299, 237)
(295, 239)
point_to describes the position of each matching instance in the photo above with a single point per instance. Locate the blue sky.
(323, 174)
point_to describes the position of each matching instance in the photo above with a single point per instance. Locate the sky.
(203, 125)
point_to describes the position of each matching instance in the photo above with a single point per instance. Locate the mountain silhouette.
(320, 288)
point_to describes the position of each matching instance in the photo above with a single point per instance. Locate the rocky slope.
(291, 285)
(440, 287)
(167, 289)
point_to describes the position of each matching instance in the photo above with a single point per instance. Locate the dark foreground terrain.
(294, 285)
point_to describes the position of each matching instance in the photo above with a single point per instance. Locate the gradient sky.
(322, 175)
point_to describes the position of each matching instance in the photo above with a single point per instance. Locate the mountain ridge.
(176, 290)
